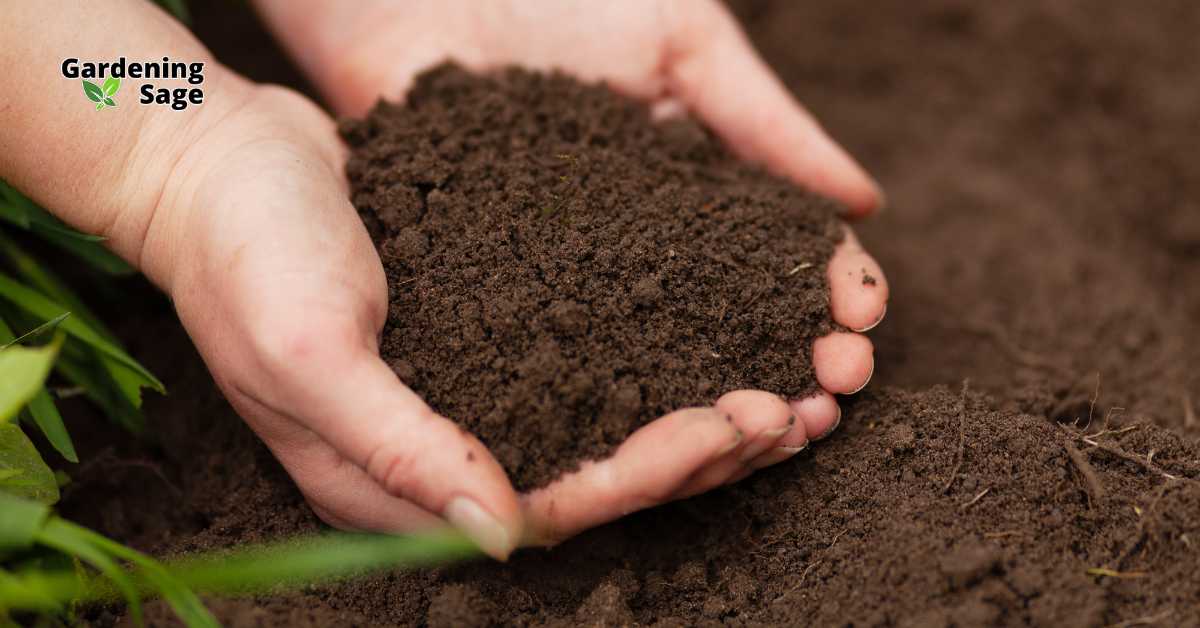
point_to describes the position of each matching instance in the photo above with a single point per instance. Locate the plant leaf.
(6, 334)
(20, 520)
(111, 85)
(185, 603)
(38, 276)
(83, 368)
(178, 8)
(38, 305)
(64, 537)
(33, 480)
(46, 416)
(22, 371)
(110, 102)
(85, 247)
(93, 91)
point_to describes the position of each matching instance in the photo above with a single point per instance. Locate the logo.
(102, 95)
(102, 79)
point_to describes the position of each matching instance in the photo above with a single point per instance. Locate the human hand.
(279, 285)
(678, 55)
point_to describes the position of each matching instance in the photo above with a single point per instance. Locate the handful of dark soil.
(564, 270)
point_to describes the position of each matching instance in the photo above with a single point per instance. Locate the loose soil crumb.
(564, 270)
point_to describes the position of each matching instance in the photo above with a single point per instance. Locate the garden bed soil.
(1042, 242)
(563, 270)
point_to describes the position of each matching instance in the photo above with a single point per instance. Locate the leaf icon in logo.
(111, 86)
(93, 91)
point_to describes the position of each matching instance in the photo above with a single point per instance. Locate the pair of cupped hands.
(277, 282)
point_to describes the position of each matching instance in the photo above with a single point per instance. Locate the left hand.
(677, 55)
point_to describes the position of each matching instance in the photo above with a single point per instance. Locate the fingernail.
(791, 451)
(830, 430)
(731, 446)
(876, 323)
(478, 524)
(762, 443)
(864, 384)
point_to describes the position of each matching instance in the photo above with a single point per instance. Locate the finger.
(858, 290)
(816, 417)
(713, 68)
(820, 414)
(381, 426)
(844, 362)
(646, 470)
(762, 418)
(339, 492)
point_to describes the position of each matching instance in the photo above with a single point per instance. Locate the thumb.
(714, 71)
(356, 404)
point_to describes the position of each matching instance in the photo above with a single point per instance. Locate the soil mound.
(563, 270)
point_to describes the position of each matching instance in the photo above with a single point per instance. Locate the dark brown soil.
(564, 271)
(1040, 163)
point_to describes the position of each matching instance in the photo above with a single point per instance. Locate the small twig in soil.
(1002, 534)
(1104, 572)
(977, 498)
(1092, 404)
(962, 442)
(800, 267)
(1189, 411)
(1147, 462)
(1095, 487)
(1108, 432)
(1142, 621)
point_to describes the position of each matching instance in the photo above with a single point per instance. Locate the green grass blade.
(36, 591)
(87, 250)
(23, 473)
(9, 340)
(22, 371)
(19, 210)
(34, 303)
(185, 603)
(49, 421)
(82, 368)
(64, 537)
(41, 407)
(20, 521)
(36, 275)
(318, 559)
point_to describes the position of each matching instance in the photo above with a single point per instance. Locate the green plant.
(49, 565)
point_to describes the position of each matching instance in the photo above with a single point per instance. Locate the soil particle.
(564, 270)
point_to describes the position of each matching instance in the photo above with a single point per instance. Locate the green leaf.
(36, 591)
(20, 520)
(33, 480)
(46, 416)
(84, 369)
(185, 603)
(110, 102)
(85, 247)
(178, 8)
(22, 371)
(38, 305)
(38, 276)
(93, 91)
(65, 537)
(111, 85)
(6, 334)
